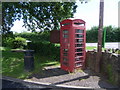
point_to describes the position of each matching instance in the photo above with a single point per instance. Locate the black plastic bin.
(29, 60)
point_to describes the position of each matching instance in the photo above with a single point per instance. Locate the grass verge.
(13, 63)
(90, 48)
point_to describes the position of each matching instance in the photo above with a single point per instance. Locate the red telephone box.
(72, 41)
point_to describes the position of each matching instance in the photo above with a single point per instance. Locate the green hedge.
(11, 41)
(92, 35)
(7, 39)
(35, 37)
(45, 49)
(19, 42)
(112, 34)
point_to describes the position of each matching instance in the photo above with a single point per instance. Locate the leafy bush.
(7, 39)
(45, 49)
(19, 42)
(92, 35)
(111, 34)
(40, 43)
(7, 42)
(35, 37)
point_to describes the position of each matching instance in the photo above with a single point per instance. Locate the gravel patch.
(56, 76)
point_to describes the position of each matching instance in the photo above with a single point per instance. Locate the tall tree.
(36, 15)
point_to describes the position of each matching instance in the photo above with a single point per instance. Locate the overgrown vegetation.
(7, 39)
(41, 44)
(13, 63)
(19, 42)
(35, 37)
(91, 35)
(112, 34)
(45, 49)
(46, 53)
(110, 73)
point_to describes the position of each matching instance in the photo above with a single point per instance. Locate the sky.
(89, 12)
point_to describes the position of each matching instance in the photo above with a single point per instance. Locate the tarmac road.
(6, 84)
(107, 44)
(13, 85)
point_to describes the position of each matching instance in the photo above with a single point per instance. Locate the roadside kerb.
(47, 85)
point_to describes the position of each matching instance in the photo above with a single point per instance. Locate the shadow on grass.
(13, 64)
(49, 73)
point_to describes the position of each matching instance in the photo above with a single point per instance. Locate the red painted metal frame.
(68, 62)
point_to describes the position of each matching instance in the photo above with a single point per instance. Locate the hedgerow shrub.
(7, 42)
(19, 42)
(35, 37)
(7, 39)
(45, 49)
(92, 35)
(112, 34)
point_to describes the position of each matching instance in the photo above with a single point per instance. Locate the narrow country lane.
(107, 44)
(13, 85)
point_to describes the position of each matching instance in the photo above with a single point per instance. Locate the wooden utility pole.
(100, 31)
(119, 14)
